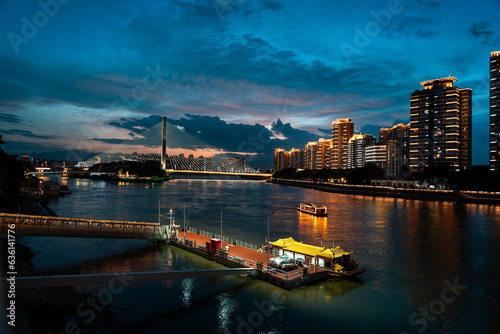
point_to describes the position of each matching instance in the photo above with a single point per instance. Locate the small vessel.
(313, 209)
(331, 261)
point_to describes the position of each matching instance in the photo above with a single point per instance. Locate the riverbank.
(478, 197)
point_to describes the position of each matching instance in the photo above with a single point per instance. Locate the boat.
(331, 261)
(313, 209)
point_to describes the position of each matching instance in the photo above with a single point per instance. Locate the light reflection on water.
(408, 248)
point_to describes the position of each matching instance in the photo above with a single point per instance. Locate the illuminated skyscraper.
(399, 133)
(279, 159)
(311, 155)
(440, 125)
(323, 155)
(356, 150)
(342, 131)
(494, 112)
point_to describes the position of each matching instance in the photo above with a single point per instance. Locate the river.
(432, 267)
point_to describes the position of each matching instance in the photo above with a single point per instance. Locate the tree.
(11, 178)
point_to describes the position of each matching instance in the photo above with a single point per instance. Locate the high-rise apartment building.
(494, 153)
(356, 150)
(296, 158)
(279, 159)
(342, 131)
(440, 125)
(286, 159)
(311, 155)
(386, 156)
(400, 133)
(323, 154)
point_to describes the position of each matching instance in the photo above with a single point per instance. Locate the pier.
(238, 254)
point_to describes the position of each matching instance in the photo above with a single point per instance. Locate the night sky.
(232, 76)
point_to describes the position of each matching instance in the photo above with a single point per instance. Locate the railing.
(80, 227)
(278, 273)
(246, 245)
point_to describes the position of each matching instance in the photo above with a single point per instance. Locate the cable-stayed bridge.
(179, 163)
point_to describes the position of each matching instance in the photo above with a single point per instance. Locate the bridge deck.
(80, 227)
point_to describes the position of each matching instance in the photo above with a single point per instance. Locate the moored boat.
(335, 261)
(313, 209)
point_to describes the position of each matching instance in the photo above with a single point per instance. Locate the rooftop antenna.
(452, 70)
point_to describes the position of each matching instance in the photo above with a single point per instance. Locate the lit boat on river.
(313, 209)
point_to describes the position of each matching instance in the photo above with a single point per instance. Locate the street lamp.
(187, 200)
(268, 236)
(221, 221)
(159, 209)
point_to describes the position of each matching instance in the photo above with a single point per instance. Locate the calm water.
(409, 248)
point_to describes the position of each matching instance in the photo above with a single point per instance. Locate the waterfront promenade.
(464, 196)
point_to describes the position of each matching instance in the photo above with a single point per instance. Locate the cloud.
(430, 3)
(26, 133)
(482, 30)
(10, 118)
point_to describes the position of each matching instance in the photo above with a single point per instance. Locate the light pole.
(268, 236)
(187, 200)
(159, 209)
(221, 221)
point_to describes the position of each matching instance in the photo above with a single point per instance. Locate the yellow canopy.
(298, 247)
(304, 249)
(283, 243)
(338, 252)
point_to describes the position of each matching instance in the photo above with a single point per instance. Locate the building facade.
(279, 159)
(386, 156)
(494, 152)
(342, 131)
(286, 159)
(400, 133)
(440, 125)
(323, 153)
(311, 155)
(356, 150)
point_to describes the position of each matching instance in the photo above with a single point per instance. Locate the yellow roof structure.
(304, 249)
(298, 247)
(283, 243)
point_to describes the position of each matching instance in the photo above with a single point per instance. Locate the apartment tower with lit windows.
(494, 153)
(342, 131)
(440, 125)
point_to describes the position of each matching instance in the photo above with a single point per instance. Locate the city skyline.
(88, 77)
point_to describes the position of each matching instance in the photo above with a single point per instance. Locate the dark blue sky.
(77, 74)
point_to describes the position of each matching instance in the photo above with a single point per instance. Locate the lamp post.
(221, 221)
(187, 200)
(268, 236)
(159, 208)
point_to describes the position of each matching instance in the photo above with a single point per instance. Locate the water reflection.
(408, 248)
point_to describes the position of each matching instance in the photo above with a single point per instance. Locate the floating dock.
(242, 257)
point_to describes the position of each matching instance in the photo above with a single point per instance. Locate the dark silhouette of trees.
(11, 178)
